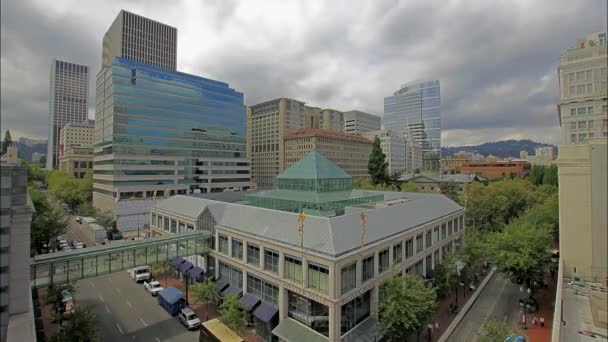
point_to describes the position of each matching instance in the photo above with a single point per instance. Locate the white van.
(140, 273)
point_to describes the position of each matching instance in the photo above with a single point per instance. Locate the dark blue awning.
(196, 273)
(221, 285)
(185, 266)
(177, 261)
(265, 312)
(249, 301)
(231, 290)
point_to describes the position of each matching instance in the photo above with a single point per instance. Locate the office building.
(429, 182)
(413, 156)
(323, 285)
(77, 161)
(581, 302)
(453, 163)
(68, 103)
(38, 157)
(497, 169)
(416, 106)
(349, 151)
(583, 83)
(358, 122)
(77, 135)
(16, 310)
(268, 123)
(545, 152)
(162, 132)
(393, 146)
(140, 39)
(331, 119)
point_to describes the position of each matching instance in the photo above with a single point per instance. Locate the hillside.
(506, 148)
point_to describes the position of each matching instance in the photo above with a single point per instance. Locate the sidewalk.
(546, 302)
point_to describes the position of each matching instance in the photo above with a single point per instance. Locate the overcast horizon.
(496, 61)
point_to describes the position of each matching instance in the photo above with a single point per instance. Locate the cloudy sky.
(496, 60)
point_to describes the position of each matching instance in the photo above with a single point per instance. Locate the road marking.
(143, 322)
(101, 298)
(118, 290)
(119, 328)
(157, 339)
(129, 304)
(108, 309)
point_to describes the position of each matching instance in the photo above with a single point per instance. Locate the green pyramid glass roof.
(314, 166)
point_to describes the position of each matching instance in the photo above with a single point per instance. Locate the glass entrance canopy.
(62, 267)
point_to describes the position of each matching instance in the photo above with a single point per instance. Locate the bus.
(216, 331)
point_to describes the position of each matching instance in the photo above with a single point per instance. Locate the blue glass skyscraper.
(416, 107)
(160, 132)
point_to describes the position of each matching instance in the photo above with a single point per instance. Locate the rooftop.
(307, 132)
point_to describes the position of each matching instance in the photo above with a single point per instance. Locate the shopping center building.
(308, 258)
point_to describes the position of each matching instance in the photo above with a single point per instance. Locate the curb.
(466, 308)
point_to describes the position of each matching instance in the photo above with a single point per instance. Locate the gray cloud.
(497, 61)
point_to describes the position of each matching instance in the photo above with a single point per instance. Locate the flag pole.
(363, 217)
(301, 219)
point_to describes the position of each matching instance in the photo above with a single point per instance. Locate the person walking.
(534, 320)
(542, 321)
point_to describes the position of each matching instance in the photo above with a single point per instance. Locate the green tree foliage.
(522, 250)
(493, 331)
(394, 182)
(406, 307)
(81, 326)
(8, 141)
(473, 251)
(105, 219)
(48, 220)
(378, 166)
(34, 172)
(206, 292)
(450, 189)
(54, 297)
(70, 190)
(446, 275)
(232, 315)
(541, 174)
(551, 175)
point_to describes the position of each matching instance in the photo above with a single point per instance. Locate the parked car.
(153, 287)
(77, 244)
(141, 273)
(68, 303)
(188, 318)
(79, 219)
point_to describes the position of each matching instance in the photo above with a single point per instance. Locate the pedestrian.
(542, 321)
(534, 320)
(437, 325)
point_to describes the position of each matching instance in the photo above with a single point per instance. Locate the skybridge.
(62, 267)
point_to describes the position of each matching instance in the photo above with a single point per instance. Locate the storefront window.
(293, 268)
(349, 277)
(355, 311)
(308, 312)
(318, 277)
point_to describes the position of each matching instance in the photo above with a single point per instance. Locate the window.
(573, 111)
(383, 261)
(190, 227)
(166, 224)
(436, 234)
(367, 268)
(429, 239)
(588, 75)
(573, 125)
(318, 277)
(173, 226)
(419, 244)
(589, 110)
(572, 91)
(573, 138)
(293, 268)
(355, 311)
(571, 77)
(582, 138)
(409, 248)
(231, 275)
(580, 90)
(582, 111)
(443, 231)
(348, 277)
(75, 164)
(308, 312)
(582, 124)
(398, 253)
(589, 88)
(182, 227)
(580, 76)
(590, 124)
(265, 291)
(450, 228)
(253, 255)
(436, 260)
(153, 219)
(223, 244)
(271, 260)
(237, 249)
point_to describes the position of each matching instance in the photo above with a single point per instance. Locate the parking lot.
(127, 312)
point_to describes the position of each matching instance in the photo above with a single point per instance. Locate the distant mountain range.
(504, 149)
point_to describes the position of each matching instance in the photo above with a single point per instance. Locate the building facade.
(497, 169)
(163, 132)
(416, 106)
(583, 82)
(393, 145)
(358, 122)
(331, 119)
(69, 93)
(323, 285)
(77, 135)
(77, 161)
(140, 39)
(16, 310)
(349, 151)
(413, 157)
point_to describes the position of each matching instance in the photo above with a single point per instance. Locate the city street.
(127, 312)
(499, 300)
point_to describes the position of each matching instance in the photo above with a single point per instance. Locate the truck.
(141, 273)
(153, 287)
(172, 300)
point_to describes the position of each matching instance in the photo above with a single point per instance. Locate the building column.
(261, 257)
(230, 246)
(331, 280)
(244, 281)
(217, 267)
(282, 303)
(334, 322)
(390, 256)
(217, 241)
(374, 302)
(376, 265)
(281, 265)
(424, 266)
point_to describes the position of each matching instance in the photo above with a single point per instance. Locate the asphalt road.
(498, 301)
(127, 312)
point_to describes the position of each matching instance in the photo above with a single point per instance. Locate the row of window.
(169, 224)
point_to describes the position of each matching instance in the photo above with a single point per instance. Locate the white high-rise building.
(393, 145)
(68, 103)
(583, 82)
(357, 122)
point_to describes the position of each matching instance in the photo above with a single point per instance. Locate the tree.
(54, 297)
(378, 166)
(70, 190)
(232, 314)
(8, 141)
(591, 43)
(48, 221)
(105, 219)
(551, 176)
(493, 331)
(81, 326)
(449, 189)
(406, 307)
(206, 292)
(522, 250)
(446, 275)
(393, 181)
(409, 187)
